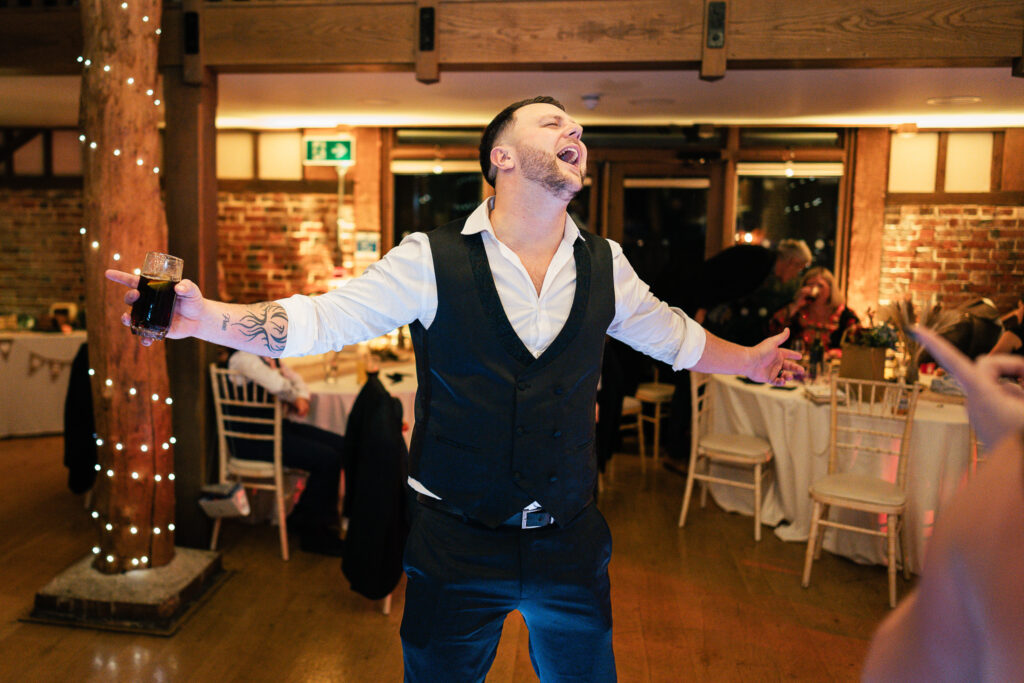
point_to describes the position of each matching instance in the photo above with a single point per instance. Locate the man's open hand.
(773, 364)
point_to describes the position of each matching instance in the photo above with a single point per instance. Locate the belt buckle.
(544, 519)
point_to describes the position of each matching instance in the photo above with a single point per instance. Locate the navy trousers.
(464, 579)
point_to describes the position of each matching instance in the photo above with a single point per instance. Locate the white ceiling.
(810, 96)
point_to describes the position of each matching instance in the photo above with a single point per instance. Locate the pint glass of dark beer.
(151, 312)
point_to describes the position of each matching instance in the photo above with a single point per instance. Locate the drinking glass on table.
(801, 348)
(332, 367)
(152, 311)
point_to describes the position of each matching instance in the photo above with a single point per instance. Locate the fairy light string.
(147, 471)
(141, 478)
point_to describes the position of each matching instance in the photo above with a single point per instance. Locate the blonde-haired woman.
(817, 312)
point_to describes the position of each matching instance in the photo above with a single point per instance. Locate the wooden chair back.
(879, 413)
(978, 453)
(245, 411)
(700, 407)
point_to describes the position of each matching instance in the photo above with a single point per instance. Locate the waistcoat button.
(520, 431)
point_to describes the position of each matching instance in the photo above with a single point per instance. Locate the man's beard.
(543, 169)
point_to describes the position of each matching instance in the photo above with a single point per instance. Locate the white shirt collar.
(480, 221)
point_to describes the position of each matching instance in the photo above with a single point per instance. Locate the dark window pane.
(771, 209)
(425, 201)
(664, 230)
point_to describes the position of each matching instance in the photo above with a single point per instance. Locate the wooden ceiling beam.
(553, 34)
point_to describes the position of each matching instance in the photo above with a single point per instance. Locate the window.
(790, 201)
(429, 194)
(664, 225)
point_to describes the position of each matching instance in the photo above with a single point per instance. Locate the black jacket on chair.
(80, 451)
(376, 467)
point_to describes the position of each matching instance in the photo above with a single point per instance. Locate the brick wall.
(959, 252)
(273, 245)
(40, 250)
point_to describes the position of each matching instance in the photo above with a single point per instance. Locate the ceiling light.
(953, 99)
(590, 101)
(705, 131)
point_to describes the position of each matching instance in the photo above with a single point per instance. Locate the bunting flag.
(55, 365)
(5, 348)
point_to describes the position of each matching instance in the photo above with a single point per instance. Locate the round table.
(330, 403)
(798, 430)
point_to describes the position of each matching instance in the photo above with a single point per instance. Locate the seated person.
(1012, 338)
(303, 447)
(739, 288)
(817, 313)
(979, 329)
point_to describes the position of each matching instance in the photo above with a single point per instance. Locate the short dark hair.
(498, 125)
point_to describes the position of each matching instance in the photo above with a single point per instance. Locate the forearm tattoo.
(224, 323)
(267, 324)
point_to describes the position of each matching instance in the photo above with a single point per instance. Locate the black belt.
(525, 519)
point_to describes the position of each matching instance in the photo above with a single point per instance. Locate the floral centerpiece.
(864, 349)
(882, 336)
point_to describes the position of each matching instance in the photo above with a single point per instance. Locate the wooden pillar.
(365, 176)
(870, 172)
(1012, 173)
(726, 234)
(190, 184)
(387, 191)
(123, 219)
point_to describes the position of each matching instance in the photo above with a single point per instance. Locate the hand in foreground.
(188, 306)
(995, 406)
(773, 364)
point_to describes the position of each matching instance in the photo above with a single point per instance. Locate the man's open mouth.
(570, 155)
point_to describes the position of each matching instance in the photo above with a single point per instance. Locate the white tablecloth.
(798, 431)
(34, 372)
(330, 403)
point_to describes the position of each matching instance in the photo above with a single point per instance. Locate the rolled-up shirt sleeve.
(648, 324)
(394, 291)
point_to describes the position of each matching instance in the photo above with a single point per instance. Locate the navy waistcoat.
(497, 428)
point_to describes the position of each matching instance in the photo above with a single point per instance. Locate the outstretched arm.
(766, 362)
(258, 328)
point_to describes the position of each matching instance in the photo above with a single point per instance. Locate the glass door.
(664, 225)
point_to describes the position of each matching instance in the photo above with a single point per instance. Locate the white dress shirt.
(401, 288)
(281, 381)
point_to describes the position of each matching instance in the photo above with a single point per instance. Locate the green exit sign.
(329, 151)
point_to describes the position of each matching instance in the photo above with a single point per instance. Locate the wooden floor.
(701, 604)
